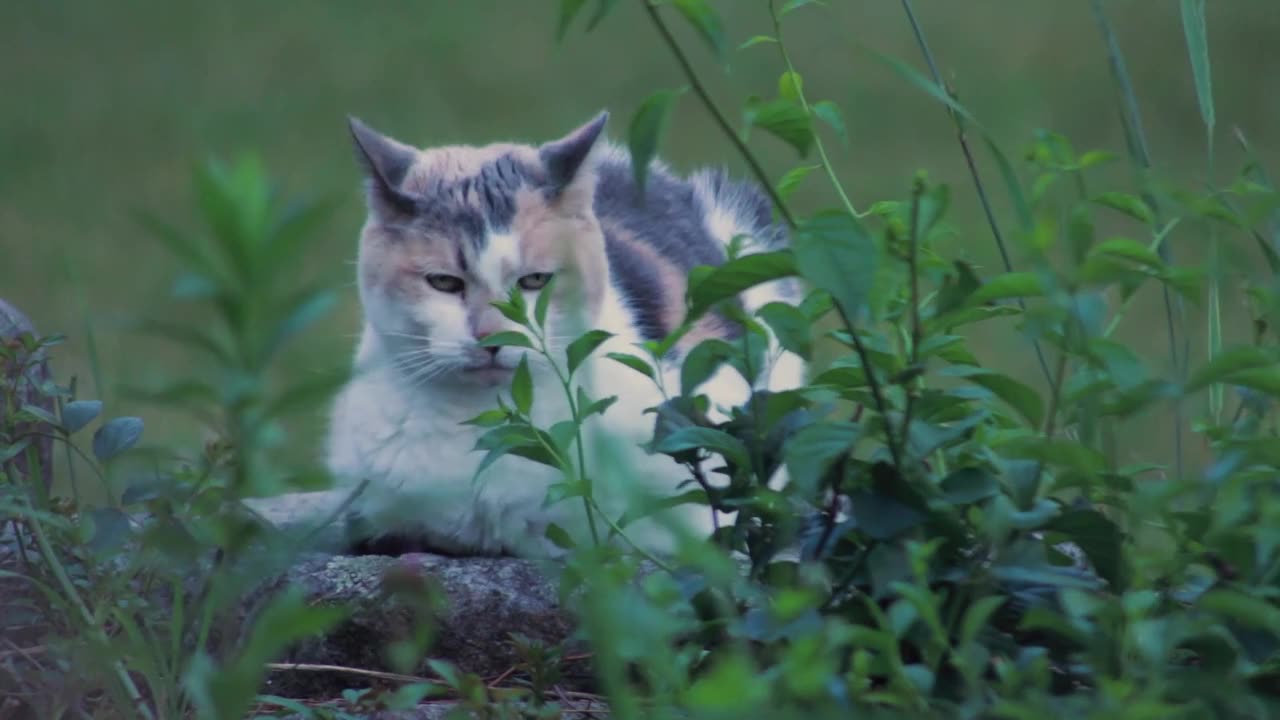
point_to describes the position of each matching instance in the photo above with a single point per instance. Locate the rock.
(483, 601)
(36, 373)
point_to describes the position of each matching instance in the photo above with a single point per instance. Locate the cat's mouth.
(488, 373)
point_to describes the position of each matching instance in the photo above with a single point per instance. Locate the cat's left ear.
(563, 158)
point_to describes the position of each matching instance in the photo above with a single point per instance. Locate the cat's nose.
(493, 350)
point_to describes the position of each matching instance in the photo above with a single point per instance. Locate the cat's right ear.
(386, 162)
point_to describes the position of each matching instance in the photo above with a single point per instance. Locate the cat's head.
(452, 229)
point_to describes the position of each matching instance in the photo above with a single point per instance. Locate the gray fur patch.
(472, 206)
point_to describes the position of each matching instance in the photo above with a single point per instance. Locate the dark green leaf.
(638, 364)
(1193, 26)
(1130, 205)
(728, 279)
(790, 326)
(559, 537)
(543, 302)
(1227, 364)
(836, 254)
(568, 10)
(702, 361)
(784, 119)
(645, 509)
(703, 17)
(1020, 397)
(829, 113)
(648, 125)
(1098, 537)
(110, 529)
(115, 436)
(814, 448)
(881, 517)
(522, 387)
(581, 348)
(1245, 609)
(488, 419)
(718, 441)
(1008, 285)
(969, 485)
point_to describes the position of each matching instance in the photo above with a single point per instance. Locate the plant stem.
(69, 588)
(912, 250)
(716, 114)
(978, 185)
(817, 139)
(877, 394)
(1140, 157)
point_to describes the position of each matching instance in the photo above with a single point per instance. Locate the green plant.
(137, 588)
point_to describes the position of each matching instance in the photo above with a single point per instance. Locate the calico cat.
(451, 229)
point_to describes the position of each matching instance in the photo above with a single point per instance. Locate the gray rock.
(476, 603)
(29, 372)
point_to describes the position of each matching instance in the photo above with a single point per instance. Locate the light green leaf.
(703, 17)
(782, 118)
(829, 113)
(1193, 26)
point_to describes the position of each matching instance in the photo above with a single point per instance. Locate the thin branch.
(912, 251)
(716, 113)
(981, 189)
(817, 139)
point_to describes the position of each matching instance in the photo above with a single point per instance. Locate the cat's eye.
(446, 283)
(534, 281)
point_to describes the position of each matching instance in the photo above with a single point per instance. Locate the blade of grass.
(958, 116)
(1140, 158)
(1193, 26)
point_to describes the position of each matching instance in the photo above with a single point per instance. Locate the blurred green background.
(107, 106)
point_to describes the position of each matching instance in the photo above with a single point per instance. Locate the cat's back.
(655, 237)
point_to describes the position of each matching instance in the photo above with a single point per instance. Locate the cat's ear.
(386, 162)
(563, 158)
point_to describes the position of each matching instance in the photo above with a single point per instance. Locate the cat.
(451, 229)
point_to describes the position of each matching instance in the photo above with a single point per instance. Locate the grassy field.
(108, 106)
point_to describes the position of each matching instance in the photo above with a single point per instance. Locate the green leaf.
(789, 182)
(1130, 205)
(796, 5)
(506, 338)
(790, 85)
(648, 125)
(977, 617)
(783, 118)
(813, 449)
(1065, 453)
(728, 279)
(522, 387)
(568, 11)
(1099, 538)
(881, 517)
(829, 113)
(835, 253)
(1227, 364)
(1019, 396)
(969, 485)
(110, 529)
(702, 361)
(644, 509)
(581, 348)
(1193, 26)
(559, 537)
(638, 364)
(1127, 249)
(703, 17)
(757, 40)
(790, 326)
(1245, 609)
(488, 419)
(718, 441)
(731, 688)
(543, 302)
(115, 436)
(1008, 285)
